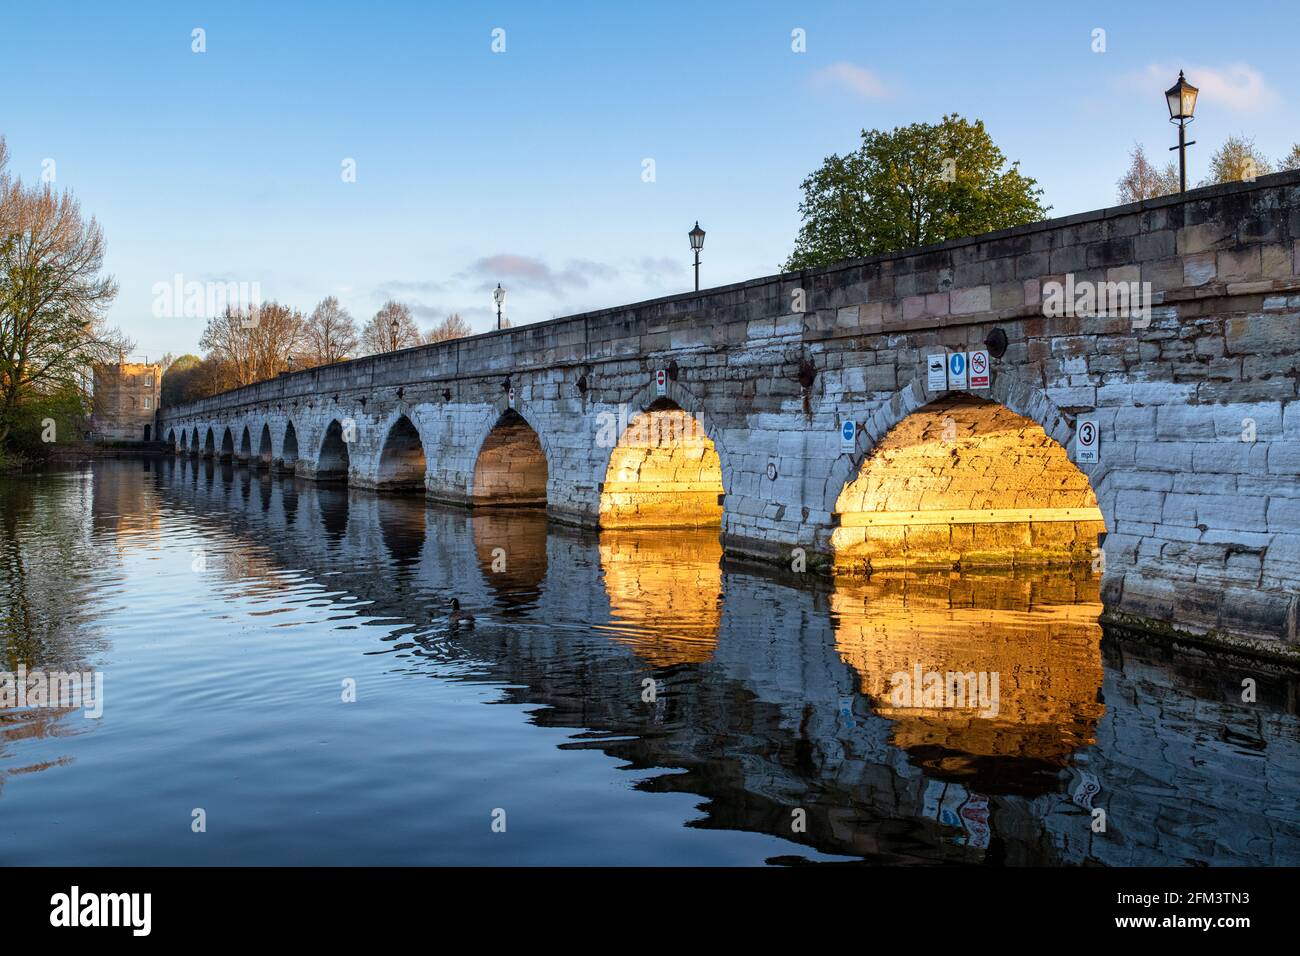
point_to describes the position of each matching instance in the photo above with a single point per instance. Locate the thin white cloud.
(530, 273)
(850, 78)
(1237, 86)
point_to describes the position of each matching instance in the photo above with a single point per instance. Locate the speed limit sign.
(1086, 440)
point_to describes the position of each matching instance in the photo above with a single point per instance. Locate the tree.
(330, 334)
(253, 344)
(916, 185)
(452, 327)
(1291, 160)
(1142, 180)
(380, 334)
(52, 297)
(1237, 159)
(180, 381)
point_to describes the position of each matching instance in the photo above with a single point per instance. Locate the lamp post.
(1181, 99)
(697, 243)
(393, 329)
(499, 297)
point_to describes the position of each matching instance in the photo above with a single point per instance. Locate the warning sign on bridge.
(979, 368)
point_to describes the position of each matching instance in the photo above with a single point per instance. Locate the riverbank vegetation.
(53, 299)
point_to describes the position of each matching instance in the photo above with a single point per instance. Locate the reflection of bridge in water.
(775, 697)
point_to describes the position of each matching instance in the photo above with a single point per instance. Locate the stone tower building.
(126, 398)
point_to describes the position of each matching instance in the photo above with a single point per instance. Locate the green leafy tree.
(910, 187)
(48, 418)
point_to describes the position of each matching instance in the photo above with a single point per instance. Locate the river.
(284, 682)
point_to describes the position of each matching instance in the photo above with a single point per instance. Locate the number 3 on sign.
(1087, 441)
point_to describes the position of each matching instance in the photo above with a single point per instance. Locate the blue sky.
(526, 167)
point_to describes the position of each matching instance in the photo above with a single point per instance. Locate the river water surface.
(620, 698)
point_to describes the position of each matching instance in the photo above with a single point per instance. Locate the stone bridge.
(1172, 326)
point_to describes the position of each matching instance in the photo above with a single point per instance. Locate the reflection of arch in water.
(401, 461)
(289, 502)
(665, 592)
(403, 527)
(1036, 630)
(511, 465)
(511, 547)
(663, 473)
(965, 482)
(333, 504)
(334, 460)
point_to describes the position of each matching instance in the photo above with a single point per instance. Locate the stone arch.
(245, 445)
(289, 447)
(666, 468)
(511, 465)
(210, 444)
(402, 464)
(333, 461)
(265, 447)
(171, 438)
(194, 441)
(685, 399)
(963, 479)
(184, 444)
(227, 444)
(1021, 397)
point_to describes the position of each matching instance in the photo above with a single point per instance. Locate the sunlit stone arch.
(619, 498)
(1081, 492)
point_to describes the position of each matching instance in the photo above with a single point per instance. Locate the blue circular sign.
(849, 431)
(957, 362)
